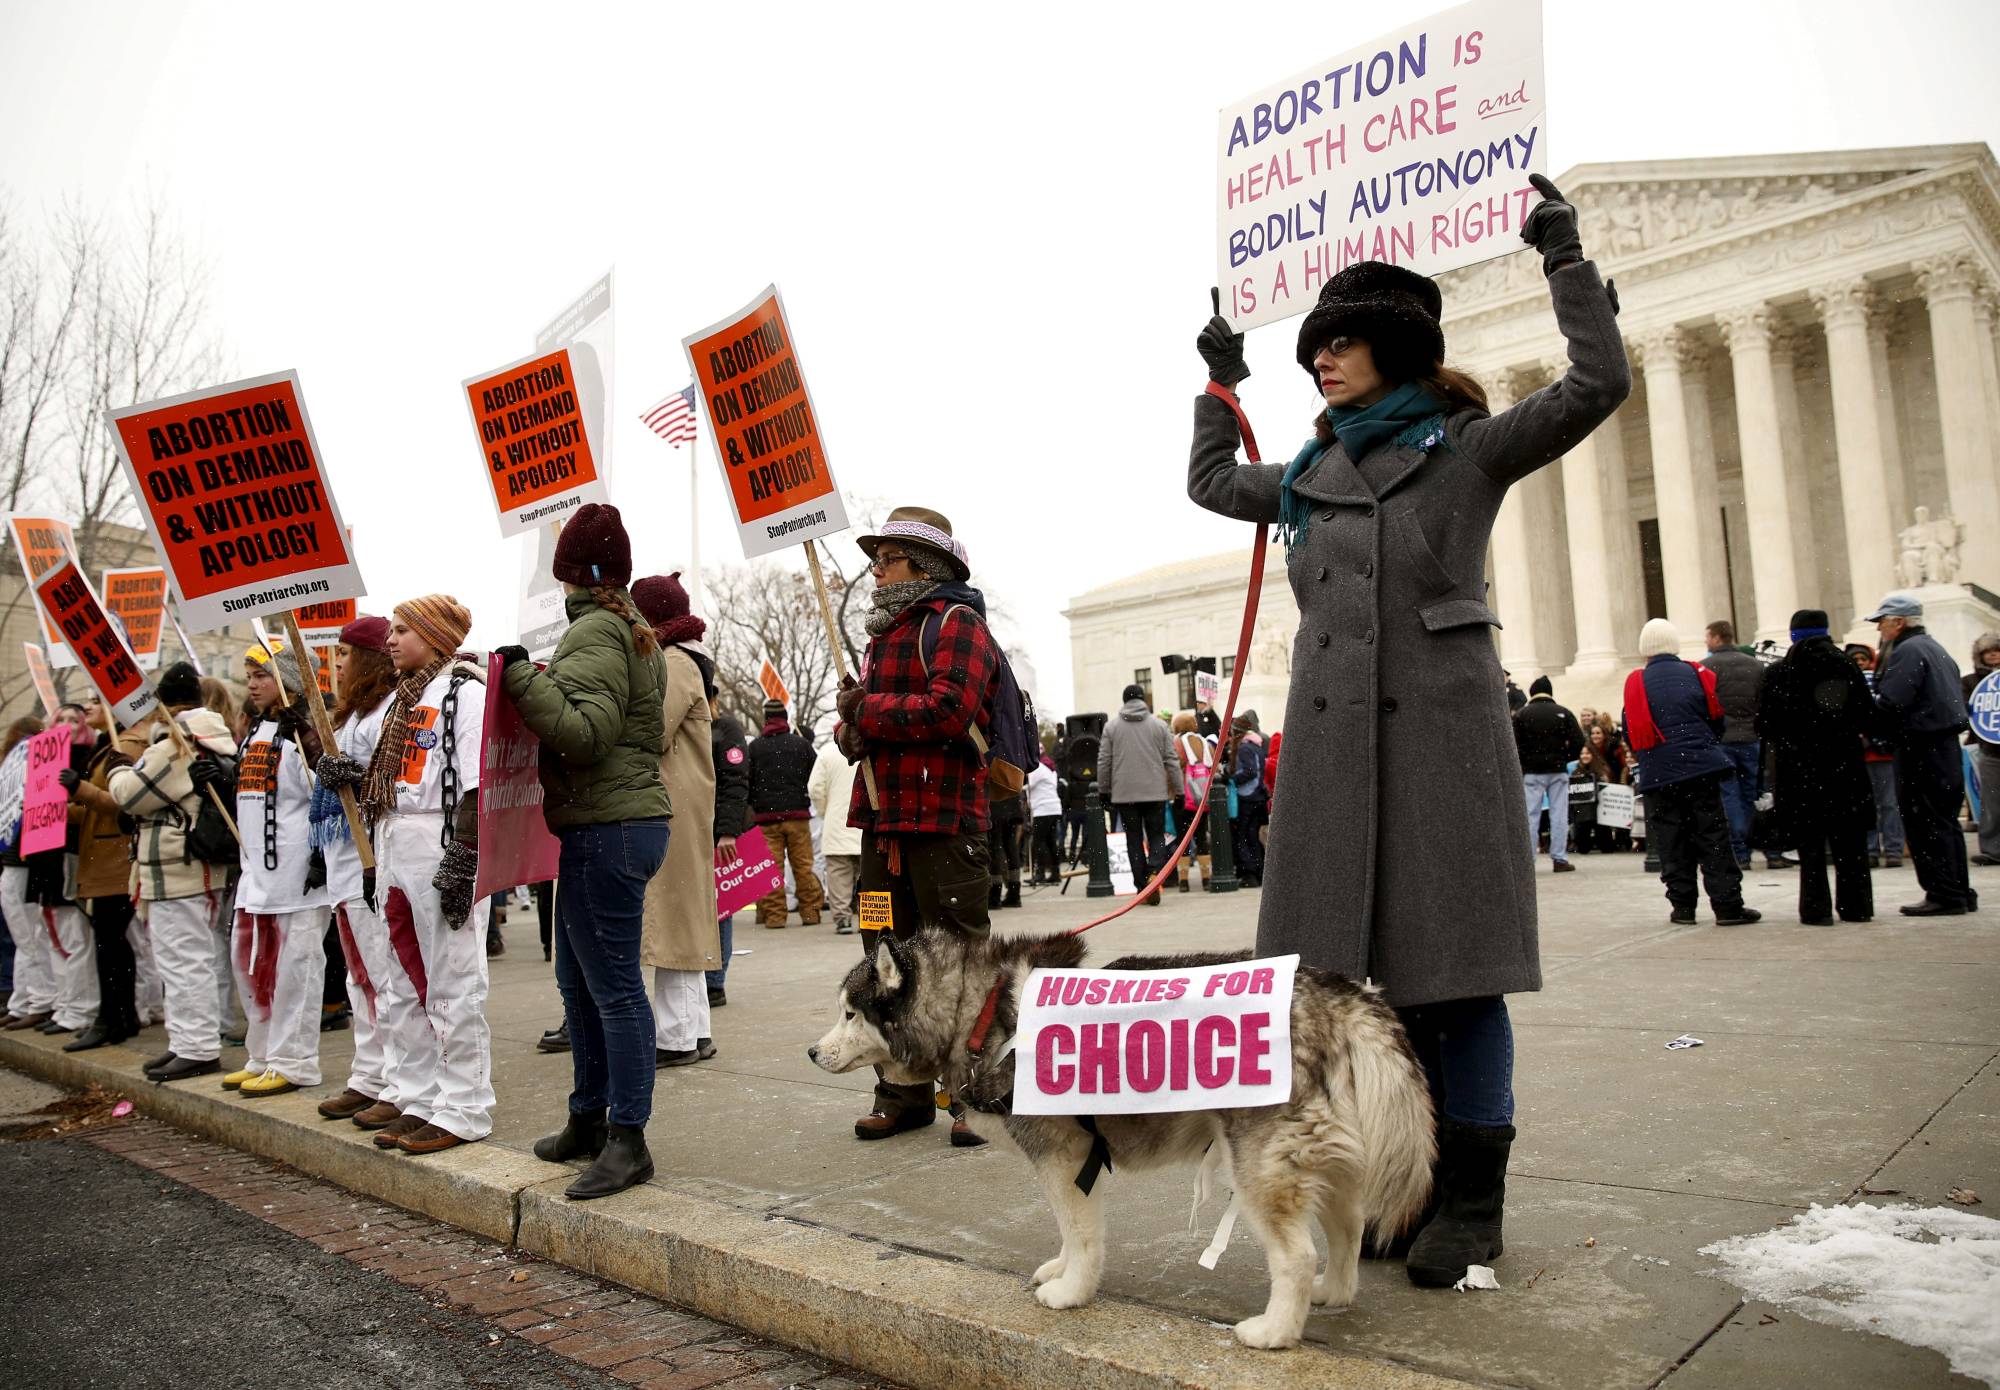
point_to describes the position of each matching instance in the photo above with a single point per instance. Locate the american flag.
(673, 418)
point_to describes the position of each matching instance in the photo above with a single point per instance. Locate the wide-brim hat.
(1395, 311)
(921, 526)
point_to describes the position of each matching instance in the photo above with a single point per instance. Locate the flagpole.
(694, 516)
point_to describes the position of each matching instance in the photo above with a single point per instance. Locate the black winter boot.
(1012, 898)
(582, 1137)
(623, 1163)
(1472, 1191)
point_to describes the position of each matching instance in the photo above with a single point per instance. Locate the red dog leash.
(976, 1042)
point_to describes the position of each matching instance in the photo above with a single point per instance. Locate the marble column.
(1985, 309)
(1688, 517)
(1881, 336)
(1513, 565)
(1766, 496)
(1857, 435)
(1798, 481)
(1605, 586)
(1947, 284)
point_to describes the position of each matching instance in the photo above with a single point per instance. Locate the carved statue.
(1927, 550)
(1628, 225)
(1273, 652)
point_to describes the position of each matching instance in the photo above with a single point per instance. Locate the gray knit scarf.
(889, 600)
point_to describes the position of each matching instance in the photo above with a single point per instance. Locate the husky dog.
(1353, 1148)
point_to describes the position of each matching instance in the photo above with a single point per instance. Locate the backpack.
(1011, 744)
(1196, 770)
(209, 837)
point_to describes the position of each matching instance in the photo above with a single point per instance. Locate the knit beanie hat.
(1395, 311)
(593, 548)
(773, 709)
(1658, 638)
(1809, 622)
(285, 666)
(441, 620)
(1542, 685)
(180, 684)
(367, 632)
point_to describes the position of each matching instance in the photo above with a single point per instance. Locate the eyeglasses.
(1340, 347)
(885, 558)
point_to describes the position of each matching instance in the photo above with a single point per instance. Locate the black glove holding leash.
(1221, 347)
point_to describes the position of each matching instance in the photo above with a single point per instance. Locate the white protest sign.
(1413, 149)
(1614, 806)
(1207, 688)
(1131, 1042)
(1983, 710)
(1118, 860)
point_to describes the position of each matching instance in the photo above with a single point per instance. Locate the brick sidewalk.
(643, 1341)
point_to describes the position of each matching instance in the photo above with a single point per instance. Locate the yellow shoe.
(237, 1078)
(271, 1083)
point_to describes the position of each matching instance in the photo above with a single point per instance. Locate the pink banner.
(515, 845)
(45, 808)
(752, 874)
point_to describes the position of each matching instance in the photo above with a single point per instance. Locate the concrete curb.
(917, 1319)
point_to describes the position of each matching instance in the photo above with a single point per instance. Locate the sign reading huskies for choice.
(1129, 1042)
(231, 485)
(1414, 149)
(765, 429)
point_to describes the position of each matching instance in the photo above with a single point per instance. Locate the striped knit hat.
(441, 620)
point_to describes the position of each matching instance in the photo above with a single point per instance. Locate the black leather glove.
(69, 777)
(337, 770)
(509, 655)
(316, 869)
(848, 701)
(1551, 227)
(206, 772)
(368, 889)
(1221, 347)
(453, 881)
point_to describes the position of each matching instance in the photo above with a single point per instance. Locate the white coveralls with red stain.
(439, 1054)
(278, 956)
(364, 937)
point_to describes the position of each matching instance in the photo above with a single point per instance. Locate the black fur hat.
(1395, 311)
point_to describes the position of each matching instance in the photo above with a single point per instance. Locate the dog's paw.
(1336, 1290)
(1064, 1292)
(1051, 1269)
(1266, 1333)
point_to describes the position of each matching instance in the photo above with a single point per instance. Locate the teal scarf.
(1407, 415)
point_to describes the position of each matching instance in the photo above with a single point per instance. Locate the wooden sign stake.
(839, 661)
(327, 743)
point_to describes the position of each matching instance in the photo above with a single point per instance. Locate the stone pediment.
(1631, 210)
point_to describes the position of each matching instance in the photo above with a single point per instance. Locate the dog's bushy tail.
(1398, 1133)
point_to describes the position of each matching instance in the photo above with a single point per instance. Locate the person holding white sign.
(1386, 514)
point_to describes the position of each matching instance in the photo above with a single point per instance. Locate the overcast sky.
(993, 227)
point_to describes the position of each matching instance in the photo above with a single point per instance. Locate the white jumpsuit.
(364, 938)
(279, 958)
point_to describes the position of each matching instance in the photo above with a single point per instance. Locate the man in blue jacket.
(1918, 691)
(1673, 721)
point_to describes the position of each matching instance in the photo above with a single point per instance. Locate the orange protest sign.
(324, 670)
(532, 435)
(774, 685)
(100, 649)
(38, 671)
(232, 487)
(764, 428)
(42, 543)
(320, 623)
(138, 599)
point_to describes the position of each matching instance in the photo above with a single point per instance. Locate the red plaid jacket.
(926, 768)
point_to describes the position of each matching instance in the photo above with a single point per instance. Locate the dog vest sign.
(232, 486)
(1133, 1042)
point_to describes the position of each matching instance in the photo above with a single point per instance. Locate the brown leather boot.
(428, 1139)
(878, 1125)
(20, 1021)
(345, 1106)
(376, 1115)
(388, 1136)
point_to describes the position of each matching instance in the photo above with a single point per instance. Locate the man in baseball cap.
(1918, 693)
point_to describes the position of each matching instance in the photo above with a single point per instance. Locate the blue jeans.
(1740, 792)
(600, 902)
(727, 926)
(1467, 1048)
(1887, 836)
(1554, 788)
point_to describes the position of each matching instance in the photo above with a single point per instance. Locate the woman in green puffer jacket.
(597, 710)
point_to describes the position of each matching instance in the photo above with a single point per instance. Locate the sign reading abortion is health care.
(1129, 1042)
(1413, 149)
(1983, 710)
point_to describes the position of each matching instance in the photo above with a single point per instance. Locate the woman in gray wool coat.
(1385, 515)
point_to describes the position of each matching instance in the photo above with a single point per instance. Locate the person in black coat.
(1813, 707)
(732, 816)
(781, 767)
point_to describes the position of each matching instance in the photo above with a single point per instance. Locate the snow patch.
(1928, 1277)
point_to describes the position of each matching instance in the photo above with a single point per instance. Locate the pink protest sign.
(45, 807)
(1130, 1042)
(752, 874)
(515, 845)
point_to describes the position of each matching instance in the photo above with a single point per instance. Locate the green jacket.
(597, 710)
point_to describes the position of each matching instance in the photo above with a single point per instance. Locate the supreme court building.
(1813, 358)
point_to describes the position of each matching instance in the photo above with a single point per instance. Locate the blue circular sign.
(1983, 709)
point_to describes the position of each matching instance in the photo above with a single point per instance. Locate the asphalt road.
(118, 1278)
